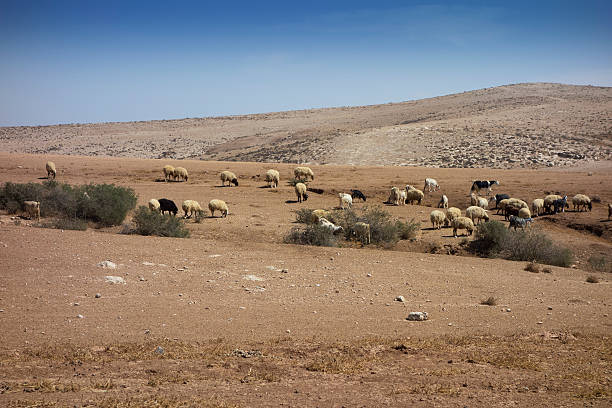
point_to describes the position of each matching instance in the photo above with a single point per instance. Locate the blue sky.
(100, 61)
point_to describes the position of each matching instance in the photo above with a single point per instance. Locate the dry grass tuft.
(490, 301)
(592, 279)
(532, 267)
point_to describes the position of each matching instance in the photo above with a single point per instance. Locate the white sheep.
(524, 213)
(473, 199)
(501, 206)
(443, 202)
(483, 203)
(168, 172)
(462, 223)
(537, 206)
(154, 205)
(431, 185)
(333, 228)
(272, 178)
(581, 201)
(437, 218)
(403, 197)
(394, 196)
(346, 201)
(32, 209)
(300, 192)
(362, 231)
(451, 214)
(51, 169)
(303, 173)
(190, 207)
(219, 205)
(180, 173)
(549, 201)
(476, 214)
(229, 178)
(412, 194)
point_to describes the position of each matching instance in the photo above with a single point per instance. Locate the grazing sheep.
(218, 205)
(362, 231)
(437, 218)
(479, 185)
(32, 209)
(513, 206)
(403, 197)
(537, 206)
(501, 206)
(300, 192)
(516, 221)
(394, 196)
(412, 194)
(167, 205)
(524, 213)
(549, 202)
(168, 172)
(333, 228)
(462, 223)
(229, 178)
(431, 185)
(346, 201)
(358, 194)
(609, 211)
(451, 214)
(190, 207)
(272, 178)
(51, 169)
(483, 203)
(498, 198)
(473, 199)
(476, 213)
(303, 173)
(443, 202)
(582, 201)
(180, 173)
(154, 205)
(560, 203)
(317, 214)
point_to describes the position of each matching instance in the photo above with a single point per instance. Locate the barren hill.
(537, 124)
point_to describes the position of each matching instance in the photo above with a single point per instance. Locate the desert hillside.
(524, 125)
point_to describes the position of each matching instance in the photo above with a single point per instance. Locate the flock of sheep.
(515, 210)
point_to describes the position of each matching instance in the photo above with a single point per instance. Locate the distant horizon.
(68, 61)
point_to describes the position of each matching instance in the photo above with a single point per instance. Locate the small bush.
(408, 229)
(592, 279)
(147, 222)
(74, 224)
(292, 182)
(532, 267)
(493, 239)
(596, 199)
(313, 234)
(599, 263)
(547, 270)
(107, 204)
(490, 301)
(304, 216)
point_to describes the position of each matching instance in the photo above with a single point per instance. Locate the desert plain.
(234, 317)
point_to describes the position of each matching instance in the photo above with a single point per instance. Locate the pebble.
(508, 310)
(98, 295)
(417, 316)
(369, 275)
(108, 265)
(288, 331)
(80, 316)
(159, 350)
(549, 307)
(540, 322)
(285, 271)
(75, 304)
(400, 299)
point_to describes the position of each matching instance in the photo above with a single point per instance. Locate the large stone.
(417, 316)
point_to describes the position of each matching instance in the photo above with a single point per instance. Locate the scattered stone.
(549, 307)
(80, 316)
(98, 295)
(417, 316)
(114, 279)
(450, 324)
(400, 299)
(160, 350)
(107, 265)
(148, 263)
(508, 310)
(141, 279)
(285, 270)
(147, 331)
(288, 331)
(369, 275)
(75, 304)
(252, 278)
(540, 322)
(247, 353)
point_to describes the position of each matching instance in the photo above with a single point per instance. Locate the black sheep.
(167, 205)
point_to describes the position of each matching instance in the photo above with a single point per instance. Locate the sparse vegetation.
(75, 224)
(147, 222)
(304, 216)
(600, 263)
(104, 204)
(313, 234)
(547, 270)
(532, 267)
(494, 240)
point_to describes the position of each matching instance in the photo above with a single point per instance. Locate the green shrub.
(599, 263)
(408, 229)
(105, 204)
(147, 222)
(292, 182)
(313, 234)
(493, 239)
(304, 216)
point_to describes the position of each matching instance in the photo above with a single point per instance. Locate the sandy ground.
(234, 317)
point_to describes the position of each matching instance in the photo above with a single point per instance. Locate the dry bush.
(592, 279)
(490, 301)
(532, 267)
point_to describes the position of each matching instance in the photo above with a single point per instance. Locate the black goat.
(167, 205)
(357, 194)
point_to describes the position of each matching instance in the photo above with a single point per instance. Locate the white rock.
(148, 263)
(114, 279)
(417, 316)
(252, 278)
(400, 299)
(107, 264)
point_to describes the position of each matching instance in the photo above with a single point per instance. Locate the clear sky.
(98, 61)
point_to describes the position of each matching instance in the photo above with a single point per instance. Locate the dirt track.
(322, 334)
